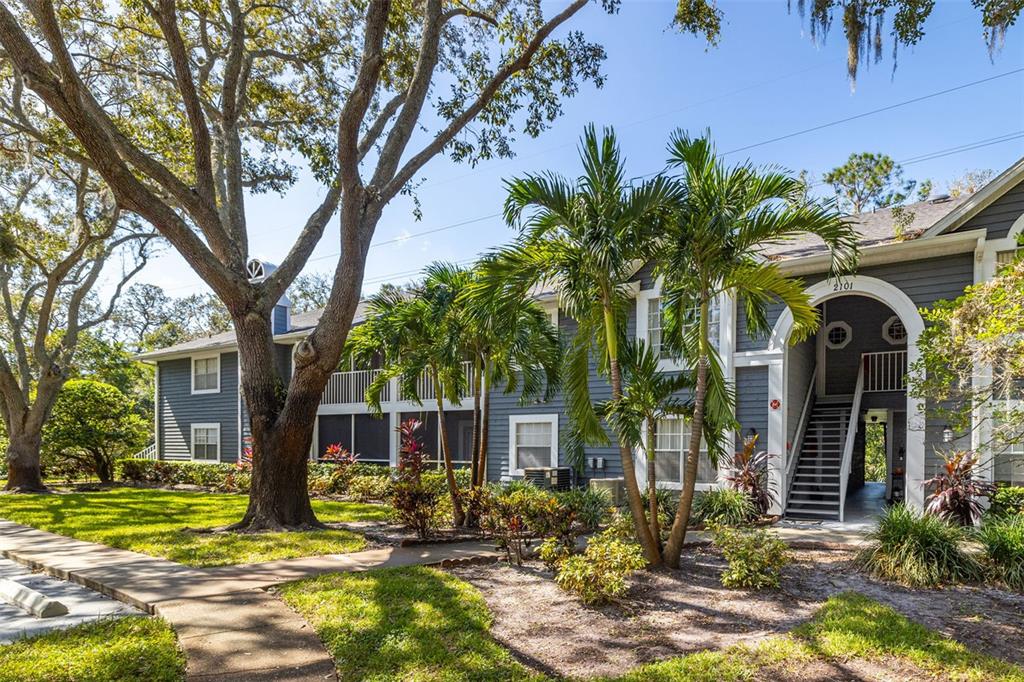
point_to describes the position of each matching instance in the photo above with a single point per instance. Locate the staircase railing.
(851, 436)
(148, 452)
(798, 437)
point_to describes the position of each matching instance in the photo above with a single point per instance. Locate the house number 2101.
(842, 285)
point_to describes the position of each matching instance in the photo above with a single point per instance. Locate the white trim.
(192, 442)
(156, 409)
(640, 460)
(516, 419)
(192, 373)
(980, 200)
(238, 399)
(838, 324)
(887, 331)
(987, 250)
(900, 303)
(726, 326)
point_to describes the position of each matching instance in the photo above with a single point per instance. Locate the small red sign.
(775, 403)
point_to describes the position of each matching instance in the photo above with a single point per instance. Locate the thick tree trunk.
(279, 493)
(449, 467)
(674, 546)
(23, 472)
(636, 505)
(104, 467)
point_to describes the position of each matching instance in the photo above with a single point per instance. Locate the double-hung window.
(533, 442)
(655, 329)
(206, 374)
(206, 442)
(671, 444)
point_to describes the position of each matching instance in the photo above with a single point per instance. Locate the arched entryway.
(867, 323)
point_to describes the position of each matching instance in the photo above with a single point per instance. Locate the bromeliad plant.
(957, 490)
(748, 473)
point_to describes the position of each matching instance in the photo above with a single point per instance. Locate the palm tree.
(715, 244)
(648, 395)
(585, 237)
(415, 332)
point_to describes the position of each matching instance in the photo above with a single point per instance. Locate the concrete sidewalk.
(228, 626)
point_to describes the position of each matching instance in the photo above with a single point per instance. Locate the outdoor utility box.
(616, 488)
(549, 478)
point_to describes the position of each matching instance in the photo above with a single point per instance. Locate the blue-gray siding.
(752, 404)
(179, 409)
(1000, 215)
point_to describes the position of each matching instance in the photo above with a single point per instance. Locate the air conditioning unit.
(549, 478)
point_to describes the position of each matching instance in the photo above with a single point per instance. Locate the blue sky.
(765, 79)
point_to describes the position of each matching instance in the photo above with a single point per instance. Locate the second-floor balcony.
(349, 388)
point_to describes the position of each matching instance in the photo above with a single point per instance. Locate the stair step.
(829, 486)
(812, 513)
(833, 504)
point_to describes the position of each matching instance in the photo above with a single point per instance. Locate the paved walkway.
(229, 627)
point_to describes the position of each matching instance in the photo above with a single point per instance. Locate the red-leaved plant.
(414, 504)
(748, 473)
(957, 490)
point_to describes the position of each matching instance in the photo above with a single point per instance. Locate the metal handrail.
(851, 435)
(798, 437)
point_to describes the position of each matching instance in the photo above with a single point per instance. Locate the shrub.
(415, 503)
(369, 488)
(958, 491)
(599, 574)
(589, 506)
(506, 512)
(668, 503)
(1003, 540)
(1007, 500)
(553, 553)
(755, 557)
(724, 507)
(748, 473)
(919, 550)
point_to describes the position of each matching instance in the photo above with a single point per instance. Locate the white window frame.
(192, 373)
(643, 299)
(515, 420)
(887, 331)
(838, 324)
(209, 426)
(1013, 451)
(641, 459)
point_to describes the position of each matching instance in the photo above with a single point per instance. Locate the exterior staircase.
(815, 489)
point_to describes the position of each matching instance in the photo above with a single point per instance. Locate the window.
(671, 442)
(206, 374)
(894, 332)
(1005, 258)
(206, 442)
(533, 441)
(838, 335)
(654, 325)
(1009, 458)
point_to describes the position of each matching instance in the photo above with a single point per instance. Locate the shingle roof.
(875, 228)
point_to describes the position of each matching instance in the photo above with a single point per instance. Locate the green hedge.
(1007, 500)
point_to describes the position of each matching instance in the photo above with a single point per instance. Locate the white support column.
(393, 444)
(314, 444)
(776, 445)
(156, 410)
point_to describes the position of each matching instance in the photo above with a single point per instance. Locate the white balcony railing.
(885, 371)
(346, 388)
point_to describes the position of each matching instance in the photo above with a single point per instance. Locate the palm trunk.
(485, 416)
(674, 546)
(636, 505)
(652, 486)
(459, 516)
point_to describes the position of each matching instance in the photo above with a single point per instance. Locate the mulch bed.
(670, 613)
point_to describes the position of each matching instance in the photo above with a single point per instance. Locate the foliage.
(874, 452)
(412, 623)
(589, 506)
(667, 502)
(714, 245)
(869, 181)
(847, 627)
(553, 552)
(724, 507)
(177, 525)
(1007, 500)
(1003, 540)
(957, 490)
(748, 473)
(919, 550)
(982, 328)
(146, 318)
(505, 511)
(340, 464)
(970, 182)
(91, 425)
(309, 292)
(415, 504)
(756, 557)
(121, 649)
(364, 488)
(599, 574)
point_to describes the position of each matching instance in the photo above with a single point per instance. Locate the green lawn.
(153, 522)
(133, 648)
(424, 625)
